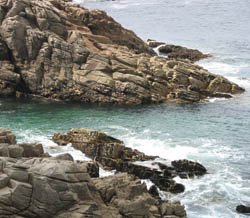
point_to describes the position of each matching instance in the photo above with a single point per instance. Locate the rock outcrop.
(9, 147)
(179, 52)
(112, 154)
(59, 50)
(60, 188)
(176, 51)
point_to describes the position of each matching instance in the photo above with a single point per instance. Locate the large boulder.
(59, 50)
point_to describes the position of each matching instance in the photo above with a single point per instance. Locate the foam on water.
(49, 146)
(230, 71)
(221, 68)
(214, 194)
(58, 150)
(165, 149)
(105, 173)
(212, 100)
(242, 81)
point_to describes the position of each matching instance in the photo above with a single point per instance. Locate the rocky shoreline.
(59, 50)
(33, 184)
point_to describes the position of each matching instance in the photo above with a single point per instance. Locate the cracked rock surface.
(49, 187)
(43, 187)
(58, 50)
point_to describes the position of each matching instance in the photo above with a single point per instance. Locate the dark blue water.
(216, 133)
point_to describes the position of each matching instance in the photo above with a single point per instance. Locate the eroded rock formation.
(59, 50)
(61, 188)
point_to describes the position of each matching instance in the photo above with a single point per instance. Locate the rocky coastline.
(33, 184)
(56, 49)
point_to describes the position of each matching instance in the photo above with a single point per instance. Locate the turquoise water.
(215, 133)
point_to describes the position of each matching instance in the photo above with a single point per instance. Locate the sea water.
(216, 133)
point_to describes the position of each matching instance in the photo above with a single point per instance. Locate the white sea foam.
(212, 100)
(213, 194)
(242, 81)
(230, 71)
(149, 184)
(221, 67)
(105, 173)
(156, 50)
(58, 150)
(49, 146)
(165, 149)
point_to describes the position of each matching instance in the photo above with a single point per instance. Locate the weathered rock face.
(58, 188)
(45, 187)
(58, 50)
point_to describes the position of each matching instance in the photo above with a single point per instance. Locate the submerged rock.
(59, 50)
